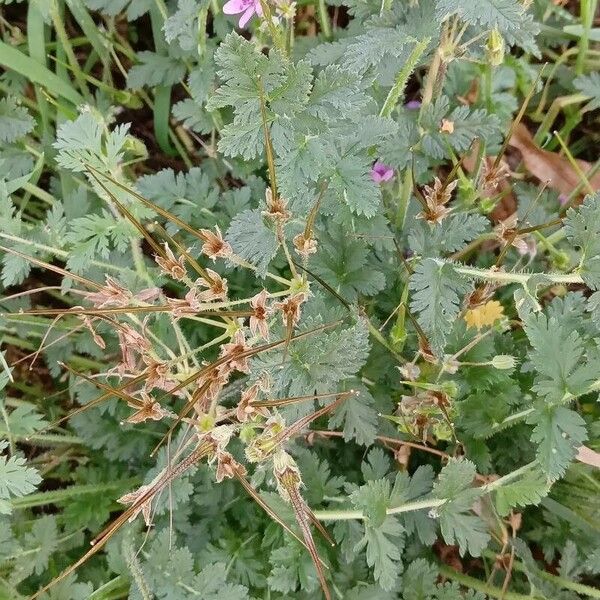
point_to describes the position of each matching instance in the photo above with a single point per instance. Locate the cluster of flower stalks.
(153, 376)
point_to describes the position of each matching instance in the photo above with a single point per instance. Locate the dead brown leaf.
(549, 166)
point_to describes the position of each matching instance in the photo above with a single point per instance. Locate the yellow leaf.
(485, 315)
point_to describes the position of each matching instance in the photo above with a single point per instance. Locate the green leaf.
(559, 358)
(43, 538)
(409, 489)
(351, 182)
(372, 498)
(15, 120)
(384, 546)
(419, 581)
(24, 420)
(376, 466)
(437, 291)
(133, 8)
(253, 240)
(316, 364)
(358, 417)
(457, 524)
(182, 25)
(16, 480)
(582, 227)
(468, 125)
(590, 86)
(93, 235)
(451, 235)
(558, 433)
(343, 262)
(154, 70)
(454, 478)
(525, 492)
(503, 14)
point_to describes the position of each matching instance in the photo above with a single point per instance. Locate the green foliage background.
(171, 103)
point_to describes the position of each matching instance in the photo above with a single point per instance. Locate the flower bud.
(494, 48)
(503, 361)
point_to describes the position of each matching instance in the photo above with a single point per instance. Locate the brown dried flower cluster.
(436, 198)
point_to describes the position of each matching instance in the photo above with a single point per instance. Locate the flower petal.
(246, 16)
(234, 7)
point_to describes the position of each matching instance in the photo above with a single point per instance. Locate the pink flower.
(413, 105)
(381, 172)
(247, 7)
(563, 199)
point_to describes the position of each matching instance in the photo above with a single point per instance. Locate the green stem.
(350, 515)
(587, 12)
(61, 34)
(504, 277)
(113, 589)
(404, 199)
(45, 439)
(566, 584)
(59, 253)
(397, 90)
(480, 586)
(57, 496)
(324, 19)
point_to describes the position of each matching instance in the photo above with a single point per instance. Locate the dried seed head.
(112, 294)
(131, 341)
(235, 352)
(409, 371)
(263, 445)
(145, 507)
(172, 266)
(276, 207)
(217, 287)
(215, 246)
(506, 233)
(189, 305)
(305, 246)
(287, 475)
(258, 321)
(228, 467)
(157, 373)
(436, 198)
(493, 176)
(150, 409)
(211, 384)
(219, 436)
(291, 308)
(245, 411)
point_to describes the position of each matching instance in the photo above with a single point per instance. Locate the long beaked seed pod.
(203, 449)
(289, 481)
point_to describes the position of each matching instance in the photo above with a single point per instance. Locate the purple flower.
(381, 172)
(563, 199)
(413, 105)
(247, 7)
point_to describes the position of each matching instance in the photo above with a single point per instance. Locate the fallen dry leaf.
(549, 166)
